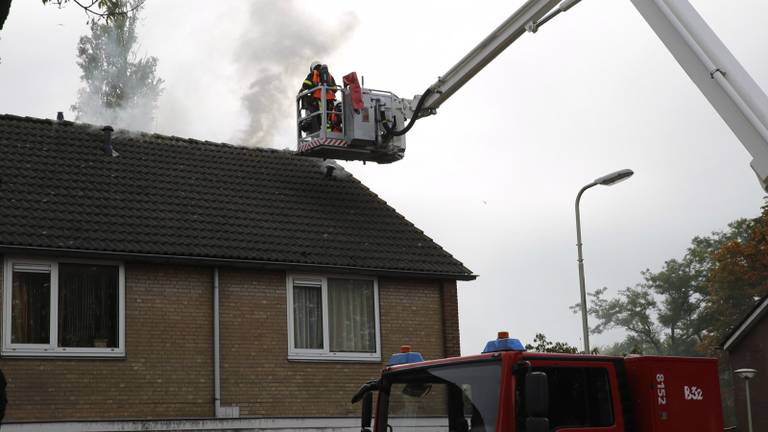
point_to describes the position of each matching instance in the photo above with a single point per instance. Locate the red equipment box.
(675, 394)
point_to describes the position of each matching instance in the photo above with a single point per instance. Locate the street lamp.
(606, 180)
(746, 375)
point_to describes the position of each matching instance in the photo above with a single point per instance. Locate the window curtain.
(31, 308)
(351, 315)
(88, 306)
(307, 317)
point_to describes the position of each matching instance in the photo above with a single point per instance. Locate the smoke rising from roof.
(120, 87)
(274, 56)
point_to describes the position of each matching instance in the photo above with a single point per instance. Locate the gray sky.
(492, 177)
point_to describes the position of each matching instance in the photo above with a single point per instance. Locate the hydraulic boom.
(529, 17)
(727, 86)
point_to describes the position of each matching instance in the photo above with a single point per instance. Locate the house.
(156, 282)
(747, 348)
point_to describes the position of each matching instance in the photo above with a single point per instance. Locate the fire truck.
(374, 122)
(508, 389)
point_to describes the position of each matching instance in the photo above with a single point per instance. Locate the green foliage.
(120, 88)
(666, 313)
(738, 280)
(623, 348)
(543, 345)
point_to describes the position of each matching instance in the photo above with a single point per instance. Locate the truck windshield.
(454, 398)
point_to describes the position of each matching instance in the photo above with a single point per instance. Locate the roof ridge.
(118, 131)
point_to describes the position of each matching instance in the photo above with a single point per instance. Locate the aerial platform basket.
(355, 134)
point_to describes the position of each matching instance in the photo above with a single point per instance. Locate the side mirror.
(365, 394)
(367, 414)
(537, 402)
(537, 394)
(365, 388)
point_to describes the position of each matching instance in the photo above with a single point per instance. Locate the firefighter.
(334, 118)
(318, 75)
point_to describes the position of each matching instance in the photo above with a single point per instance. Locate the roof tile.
(173, 196)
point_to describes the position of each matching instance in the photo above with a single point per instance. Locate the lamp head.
(614, 177)
(746, 374)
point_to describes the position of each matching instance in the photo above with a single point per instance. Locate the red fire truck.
(508, 389)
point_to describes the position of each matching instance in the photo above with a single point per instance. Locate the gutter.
(216, 352)
(219, 411)
(274, 265)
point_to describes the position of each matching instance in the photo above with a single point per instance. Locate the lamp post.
(746, 375)
(606, 180)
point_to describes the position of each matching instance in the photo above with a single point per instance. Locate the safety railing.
(315, 124)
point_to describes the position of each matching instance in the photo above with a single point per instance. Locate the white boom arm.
(728, 87)
(484, 53)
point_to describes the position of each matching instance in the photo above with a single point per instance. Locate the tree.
(121, 88)
(623, 348)
(94, 9)
(543, 345)
(97, 9)
(665, 313)
(631, 311)
(738, 280)
(5, 9)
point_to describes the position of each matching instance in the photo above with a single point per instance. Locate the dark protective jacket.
(317, 76)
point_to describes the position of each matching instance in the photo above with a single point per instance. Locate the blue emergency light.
(405, 356)
(503, 343)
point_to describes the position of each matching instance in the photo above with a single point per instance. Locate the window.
(333, 318)
(462, 397)
(70, 308)
(578, 397)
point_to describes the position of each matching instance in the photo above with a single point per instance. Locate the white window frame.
(52, 349)
(325, 354)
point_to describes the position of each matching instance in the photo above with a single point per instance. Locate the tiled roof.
(171, 196)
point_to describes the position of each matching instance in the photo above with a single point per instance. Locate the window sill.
(63, 354)
(328, 358)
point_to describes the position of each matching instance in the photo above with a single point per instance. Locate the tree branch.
(95, 10)
(5, 9)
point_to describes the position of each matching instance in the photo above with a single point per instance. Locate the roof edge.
(137, 132)
(272, 265)
(736, 334)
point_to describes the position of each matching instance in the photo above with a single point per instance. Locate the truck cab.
(511, 390)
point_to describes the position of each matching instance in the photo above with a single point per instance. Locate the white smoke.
(274, 56)
(121, 88)
(138, 115)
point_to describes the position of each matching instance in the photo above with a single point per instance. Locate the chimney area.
(60, 116)
(106, 147)
(329, 170)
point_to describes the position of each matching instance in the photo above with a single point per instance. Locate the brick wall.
(450, 303)
(168, 369)
(752, 353)
(256, 373)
